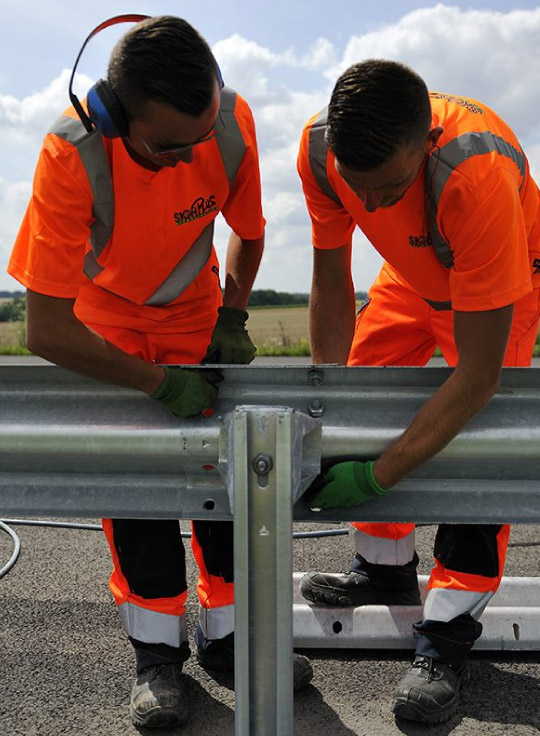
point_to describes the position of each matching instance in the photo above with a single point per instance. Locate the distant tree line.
(271, 298)
(13, 310)
(11, 294)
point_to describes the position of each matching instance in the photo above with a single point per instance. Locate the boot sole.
(327, 596)
(158, 719)
(403, 708)
(411, 711)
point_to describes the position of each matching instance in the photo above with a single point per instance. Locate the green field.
(280, 330)
(275, 331)
(12, 338)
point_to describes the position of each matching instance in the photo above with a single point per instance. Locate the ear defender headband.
(105, 111)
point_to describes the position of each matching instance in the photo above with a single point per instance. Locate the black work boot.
(353, 589)
(217, 655)
(429, 690)
(158, 697)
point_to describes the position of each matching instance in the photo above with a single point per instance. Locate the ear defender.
(105, 111)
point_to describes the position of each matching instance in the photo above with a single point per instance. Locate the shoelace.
(426, 663)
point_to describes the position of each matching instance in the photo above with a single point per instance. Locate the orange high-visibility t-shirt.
(157, 217)
(488, 213)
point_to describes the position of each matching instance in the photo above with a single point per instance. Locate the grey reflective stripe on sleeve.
(216, 623)
(318, 153)
(186, 270)
(444, 604)
(94, 158)
(153, 627)
(230, 141)
(384, 551)
(442, 164)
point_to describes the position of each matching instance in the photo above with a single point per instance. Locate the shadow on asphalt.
(205, 712)
(492, 696)
(316, 717)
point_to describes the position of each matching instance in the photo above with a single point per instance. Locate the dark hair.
(164, 59)
(376, 108)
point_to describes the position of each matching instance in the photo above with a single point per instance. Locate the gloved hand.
(230, 341)
(187, 392)
(346, 484)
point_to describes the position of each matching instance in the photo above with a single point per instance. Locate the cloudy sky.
(284, 57)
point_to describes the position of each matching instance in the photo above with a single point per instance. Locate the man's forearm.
(54, 333)
(331, 321)
(331, 329)
(437, 423)
(242, 264)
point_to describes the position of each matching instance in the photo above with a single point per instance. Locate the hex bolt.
(315, 377)
(262, 464)
(316, 408)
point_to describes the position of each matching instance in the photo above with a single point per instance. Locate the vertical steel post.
(263, 478)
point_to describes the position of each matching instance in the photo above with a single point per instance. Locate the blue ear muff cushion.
(105, 111)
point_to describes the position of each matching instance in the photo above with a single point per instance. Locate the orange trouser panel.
(397, 327)
(148, 555)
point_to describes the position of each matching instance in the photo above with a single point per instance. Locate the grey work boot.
(353, 589)
(217, 655)
(158, 697)
(429, 690)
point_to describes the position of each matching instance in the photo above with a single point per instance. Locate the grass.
(275, 330)
(12, 339)
(280, 331)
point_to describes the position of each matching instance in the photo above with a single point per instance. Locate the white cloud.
(13, 199)
(476, 53)
(488, 55)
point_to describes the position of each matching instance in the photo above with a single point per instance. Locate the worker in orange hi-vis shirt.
(116, 252)
(441, 188)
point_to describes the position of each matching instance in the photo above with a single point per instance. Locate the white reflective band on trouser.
(383, 551)
(444, 604)
(216, 623)
(153, 627)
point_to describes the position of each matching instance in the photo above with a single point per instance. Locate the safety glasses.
(179, 150)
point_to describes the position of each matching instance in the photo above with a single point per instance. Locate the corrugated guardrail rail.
(72, 447)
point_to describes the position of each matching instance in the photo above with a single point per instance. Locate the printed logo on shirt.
(471, 107)
(536, 265)
(199, 208)
(420, 241)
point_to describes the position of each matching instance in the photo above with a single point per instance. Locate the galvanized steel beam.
(266, 444)
(71, 446)
(510, 622)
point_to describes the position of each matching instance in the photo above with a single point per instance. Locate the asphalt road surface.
(66, 667)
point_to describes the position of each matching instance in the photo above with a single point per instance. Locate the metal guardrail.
(511, 621)
(73, 447)
(70, 446)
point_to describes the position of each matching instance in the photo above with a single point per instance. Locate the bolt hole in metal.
(209, 504)
(262, 465)
(337, 627)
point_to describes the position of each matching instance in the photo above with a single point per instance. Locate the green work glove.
(346, 484)
(230, 341)
(187, 392)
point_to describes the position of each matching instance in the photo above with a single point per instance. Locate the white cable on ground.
(97, 527)
(17, 548)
